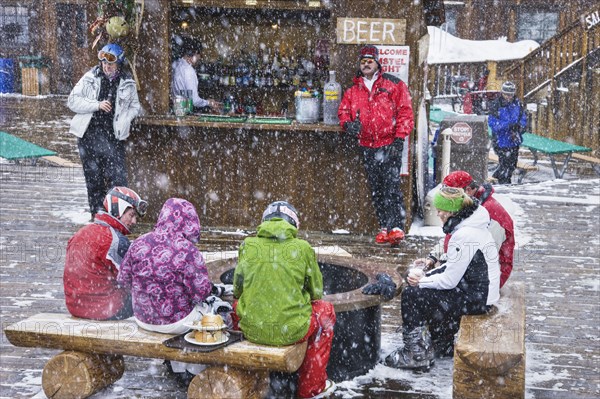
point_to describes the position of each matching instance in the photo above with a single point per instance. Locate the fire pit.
(357, 336)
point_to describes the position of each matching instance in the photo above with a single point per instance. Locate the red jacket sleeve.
(405, 121)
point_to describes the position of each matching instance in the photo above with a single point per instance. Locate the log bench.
(489, 355)
(94, 350)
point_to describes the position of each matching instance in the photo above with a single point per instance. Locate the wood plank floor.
(559, 262)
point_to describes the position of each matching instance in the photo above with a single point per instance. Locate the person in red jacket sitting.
(377, 111)
(501, 227)
(94, 255)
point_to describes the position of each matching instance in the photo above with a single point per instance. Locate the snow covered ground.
(557, 239)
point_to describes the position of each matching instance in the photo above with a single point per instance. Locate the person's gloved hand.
(222, 289)
(353, 127)
(384, 286)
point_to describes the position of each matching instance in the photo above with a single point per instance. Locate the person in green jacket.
(279, 291)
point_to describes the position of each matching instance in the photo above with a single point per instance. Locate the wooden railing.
(442, 77)
(539, 68)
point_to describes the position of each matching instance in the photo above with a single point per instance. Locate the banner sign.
(394, 60)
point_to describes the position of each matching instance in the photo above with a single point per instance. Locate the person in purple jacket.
(167, 274)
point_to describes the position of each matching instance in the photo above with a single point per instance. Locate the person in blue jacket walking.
(507, 120)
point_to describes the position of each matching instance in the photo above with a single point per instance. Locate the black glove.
(384, 286)
(222, 290)
(353, 127)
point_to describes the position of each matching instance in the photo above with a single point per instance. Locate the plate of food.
(191, 338)
(205, 328)
(209, 322)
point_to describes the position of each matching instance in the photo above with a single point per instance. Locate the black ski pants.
(383, 167)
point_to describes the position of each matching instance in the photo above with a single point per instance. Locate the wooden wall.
(491, 19)
(567, 118)
(231, 175)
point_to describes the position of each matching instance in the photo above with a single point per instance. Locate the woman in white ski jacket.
(105, 101)
(467, 283)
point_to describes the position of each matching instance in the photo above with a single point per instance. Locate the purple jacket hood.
(178, 217)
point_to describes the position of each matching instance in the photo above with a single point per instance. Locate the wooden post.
(229, 382)
(492, 81)
(79, 375)
(153, 61)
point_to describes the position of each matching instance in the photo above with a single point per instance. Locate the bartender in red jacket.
(94, 256)
(377, 110)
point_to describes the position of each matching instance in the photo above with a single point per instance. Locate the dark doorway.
(71, 35)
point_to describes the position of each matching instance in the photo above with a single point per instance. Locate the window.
(14, 26)
(451, 16)
(537, 25)
(453, 11)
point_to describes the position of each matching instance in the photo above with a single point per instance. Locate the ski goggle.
(108, 57)
(140, 206)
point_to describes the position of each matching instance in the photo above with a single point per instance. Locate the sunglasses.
(366, 61)
(108, 57)
(140, 206)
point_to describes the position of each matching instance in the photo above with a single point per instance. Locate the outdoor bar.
(257, 56)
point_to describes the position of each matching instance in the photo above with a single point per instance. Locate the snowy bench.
(93, 357)
(522, 167)
(543, 145)
(595, 162)
(489, 355)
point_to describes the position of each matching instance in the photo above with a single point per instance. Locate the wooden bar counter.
(232, 171)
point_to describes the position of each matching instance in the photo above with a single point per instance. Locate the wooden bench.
(586, 158)
(538, 144)
(94, 350)
(522, 167)
(489, 355)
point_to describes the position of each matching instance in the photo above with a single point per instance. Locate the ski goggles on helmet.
(108, 57)
(140, 206)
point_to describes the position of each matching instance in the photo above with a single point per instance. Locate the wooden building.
(231, 172)
(516, 20)
(49, 36)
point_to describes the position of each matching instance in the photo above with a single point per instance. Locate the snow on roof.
(445, 48)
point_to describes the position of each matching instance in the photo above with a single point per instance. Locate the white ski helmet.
(119, 199)
(284, 210)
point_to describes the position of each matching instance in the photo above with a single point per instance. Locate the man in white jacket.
(105, 101)
(184, 75)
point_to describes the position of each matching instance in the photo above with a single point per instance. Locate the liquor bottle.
(268, 77)
(276, 62)
(216, 77)
(331, 100)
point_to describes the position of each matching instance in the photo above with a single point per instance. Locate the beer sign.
(371, 31)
